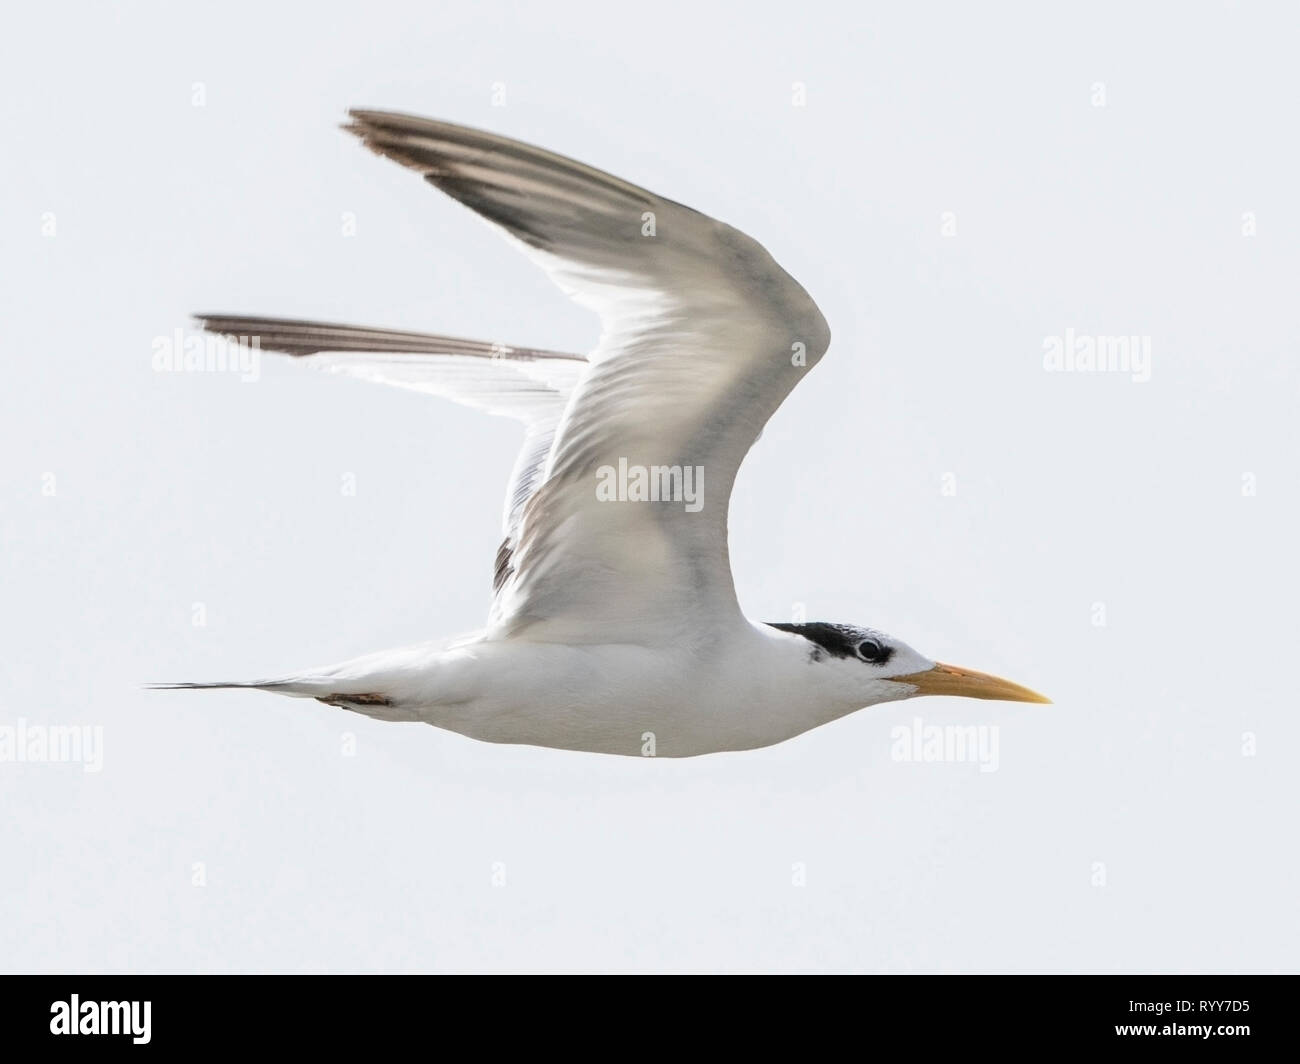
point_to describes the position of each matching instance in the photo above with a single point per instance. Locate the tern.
(614, 626)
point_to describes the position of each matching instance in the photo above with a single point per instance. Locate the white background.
(1125, 829)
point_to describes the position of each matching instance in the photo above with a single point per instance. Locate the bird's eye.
(872, 651)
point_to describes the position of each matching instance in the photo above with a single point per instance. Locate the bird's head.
(874, 667)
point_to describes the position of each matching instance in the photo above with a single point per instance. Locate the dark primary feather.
(299, 338)
(546, 200)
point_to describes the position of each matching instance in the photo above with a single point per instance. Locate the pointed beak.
(967, 683)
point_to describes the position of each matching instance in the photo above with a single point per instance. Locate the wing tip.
(301, 338)
(374, 119)
(382, 132)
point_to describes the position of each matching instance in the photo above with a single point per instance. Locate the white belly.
(613, 699)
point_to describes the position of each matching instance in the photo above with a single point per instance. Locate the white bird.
(614, 627)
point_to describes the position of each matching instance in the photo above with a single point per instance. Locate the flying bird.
(614, 625)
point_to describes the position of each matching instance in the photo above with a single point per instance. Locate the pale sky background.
(1143, 822)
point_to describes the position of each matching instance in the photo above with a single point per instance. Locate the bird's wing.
(703, 337)
(527, 384)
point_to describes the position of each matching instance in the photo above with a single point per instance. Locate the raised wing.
(524, 383)
(704, 336)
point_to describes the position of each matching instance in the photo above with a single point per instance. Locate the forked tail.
(284, 687)
(330, 690)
